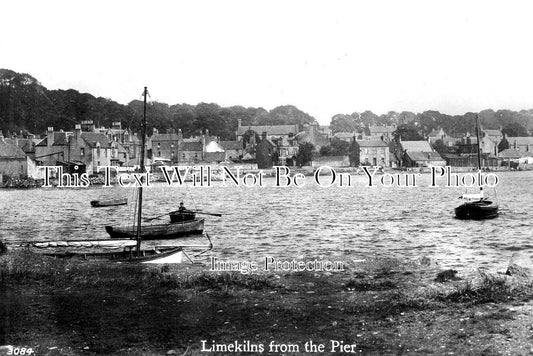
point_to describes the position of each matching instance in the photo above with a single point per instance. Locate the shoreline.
(382, 306)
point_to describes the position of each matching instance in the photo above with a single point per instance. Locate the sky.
(324, 57)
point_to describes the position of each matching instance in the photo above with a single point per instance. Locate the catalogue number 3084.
(20, 351)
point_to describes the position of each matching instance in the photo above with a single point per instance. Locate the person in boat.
(182, 214)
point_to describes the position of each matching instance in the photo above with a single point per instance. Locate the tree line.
(413, 126)
(26, 105)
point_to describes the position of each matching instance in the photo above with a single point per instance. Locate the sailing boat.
(175, 228)
(476, 206)
(117, 250)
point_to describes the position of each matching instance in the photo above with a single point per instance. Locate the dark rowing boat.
(109, 202)
(477, 210)
(158, 231)
(476, 207)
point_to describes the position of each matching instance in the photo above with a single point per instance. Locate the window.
(82, 151)
(158, 145)
(172, 154)
(171, 145)
(158, 153)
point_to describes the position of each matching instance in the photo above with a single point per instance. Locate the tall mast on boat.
(478, 143)
(141, 163)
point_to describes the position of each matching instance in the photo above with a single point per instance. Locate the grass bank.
(72, 307)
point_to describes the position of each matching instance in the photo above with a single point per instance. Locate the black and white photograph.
(266, 177)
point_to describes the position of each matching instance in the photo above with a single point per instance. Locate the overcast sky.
(325, 57)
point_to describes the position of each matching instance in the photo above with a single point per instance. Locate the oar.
(212, 214)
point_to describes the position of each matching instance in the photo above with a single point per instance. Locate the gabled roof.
(424, 156)
(416, 146)
(372, 143)
(165, 137)
(59, 139)
(8, 150)
(510, 153)
(520, 141)
(343, 134)
(493, 132)
(231, 145)
(271, 130)
(95, 137)
(381, 129)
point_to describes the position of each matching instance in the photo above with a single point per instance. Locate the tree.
(440, 147)
(514, 129)
(343, 123)
(407, 132)
(305, 154)
(369, 118)
(354, 154)
(503, 145)
(336, 147)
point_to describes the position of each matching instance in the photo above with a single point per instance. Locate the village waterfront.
(348, 223)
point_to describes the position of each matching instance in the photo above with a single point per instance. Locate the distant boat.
(108, 202)
(476, 206)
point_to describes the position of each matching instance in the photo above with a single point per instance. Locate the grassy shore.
(72, 307)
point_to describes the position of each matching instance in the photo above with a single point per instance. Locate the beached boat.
(114, 250)
(476, 206)
(108, 202)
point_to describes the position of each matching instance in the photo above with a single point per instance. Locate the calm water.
(301, 223)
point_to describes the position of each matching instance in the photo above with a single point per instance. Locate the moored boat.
(477, 206)
(477, 210)
(108, 202)
(158, 231)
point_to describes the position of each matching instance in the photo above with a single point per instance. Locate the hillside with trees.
(512, 123)
(26, 105)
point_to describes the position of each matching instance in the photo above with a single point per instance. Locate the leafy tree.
(354, 154)
(343, 123)
(503, 145)
(369, 118)
(440, 147)
(407, 132)
(325, 150)
(406, 117)
(514, 129)
(335, 148)
(305, 154)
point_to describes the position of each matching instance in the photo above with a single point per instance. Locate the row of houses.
(89, 147)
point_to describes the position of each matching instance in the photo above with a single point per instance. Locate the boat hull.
(158, 231)
(113, 250)
(478, 210)
(112, 202)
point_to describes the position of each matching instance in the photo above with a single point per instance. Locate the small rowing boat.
(108, 202)
(158, 231)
